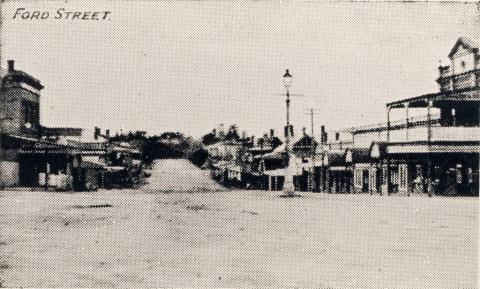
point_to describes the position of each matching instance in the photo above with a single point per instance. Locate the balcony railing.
(466, 79)
(437, 134)
(340, 145)
(414, 121)
(419, 129)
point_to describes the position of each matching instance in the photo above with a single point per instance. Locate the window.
(470, 175)
(31, 113)
(358, 178)
(459, 174)
(463, 64)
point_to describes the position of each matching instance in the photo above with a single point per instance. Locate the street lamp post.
(288, 186)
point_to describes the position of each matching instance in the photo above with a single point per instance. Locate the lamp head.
(287, 79)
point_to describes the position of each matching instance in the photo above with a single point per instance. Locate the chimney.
(96, 133)
(272, 132)
(221, 132)
(291, 130)
(337, 136)
(107, 133)
(323, 135)
(304, 130)
(11, 65)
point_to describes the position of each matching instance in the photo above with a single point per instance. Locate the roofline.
(21, 76)
(465, 41)
(431, 95)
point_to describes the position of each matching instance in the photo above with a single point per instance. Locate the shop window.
(459, 176)
(358, 180)
(403, 176)
(395, 175)
(384, 176)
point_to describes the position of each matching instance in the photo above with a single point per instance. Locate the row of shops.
(41, 164)
(33, 156)
(435, 152)
(354, 170)
(359, 171)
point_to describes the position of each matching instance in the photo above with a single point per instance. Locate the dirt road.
(177, 175)
(235, 239)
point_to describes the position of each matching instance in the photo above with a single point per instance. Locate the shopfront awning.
(114, 168)
(281, 172)
(31, 145)
(338, 168)
(221, 164)
(89, 162)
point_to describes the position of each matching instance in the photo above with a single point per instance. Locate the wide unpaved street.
(185, 235)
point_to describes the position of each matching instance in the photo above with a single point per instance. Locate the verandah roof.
(467, 94)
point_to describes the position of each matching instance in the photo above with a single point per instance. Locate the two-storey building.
(434, 153)
(33, 155)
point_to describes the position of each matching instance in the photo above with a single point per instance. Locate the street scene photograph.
(234, 144)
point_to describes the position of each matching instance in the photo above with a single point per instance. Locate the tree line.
(164, 146)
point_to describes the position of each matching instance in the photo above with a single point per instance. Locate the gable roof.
(304, 141)
(465, 42)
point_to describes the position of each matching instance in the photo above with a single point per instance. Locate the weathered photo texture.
(294, 144)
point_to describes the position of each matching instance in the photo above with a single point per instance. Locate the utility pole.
(311, 182)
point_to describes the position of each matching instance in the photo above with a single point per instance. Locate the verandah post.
(388, 175)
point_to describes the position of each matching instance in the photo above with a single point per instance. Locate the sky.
(189, 66)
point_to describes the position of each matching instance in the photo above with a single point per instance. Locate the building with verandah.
(434, 153)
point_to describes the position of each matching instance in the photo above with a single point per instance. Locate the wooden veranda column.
(327, 180)
(429, 122)
(407, 121)
(407, 136)
(429, 139)
(47, 174)
(387, 182)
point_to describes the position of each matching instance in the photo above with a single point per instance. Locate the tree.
(199, 157)
(261, 142)
(172, 135)
(232, 134)
(210, 138)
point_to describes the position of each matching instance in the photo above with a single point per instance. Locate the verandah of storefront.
(426, 173)
(441, 173)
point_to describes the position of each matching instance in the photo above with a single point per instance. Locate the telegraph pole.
(312, 151)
